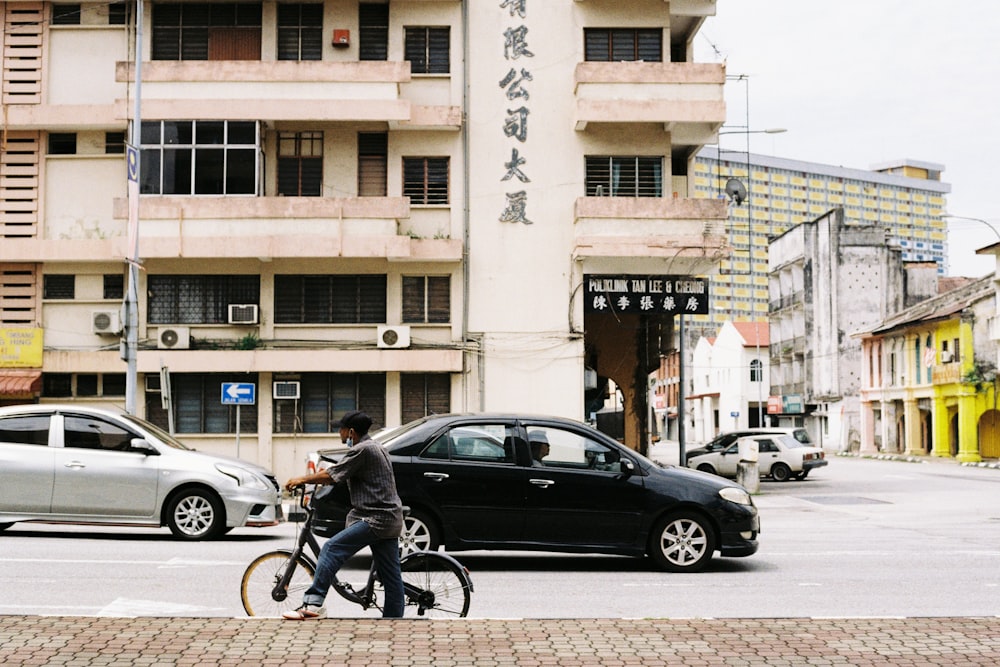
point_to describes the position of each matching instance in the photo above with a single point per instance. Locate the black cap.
(357, 420)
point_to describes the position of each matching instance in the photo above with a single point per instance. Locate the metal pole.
(132, 294)
(680, 395)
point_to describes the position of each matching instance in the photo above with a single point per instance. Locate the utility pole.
(129, 346)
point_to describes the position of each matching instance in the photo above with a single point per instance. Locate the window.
(623, 44)
(425, 180)
(300, 32)
(26, 430)
(57, 385)
(114, 143)
(61, 385)
(200, 157)
(424, 394)
(624, 176)
(62, 143)
(329, 299)
(59, 286)
(66, 14)
(210, 31)
(481, 443)
(114, 286)
(300, 164)
(85, 432)
(427, 299)
(195, 400)
(326, 397)
(198, 299)
(373, 33)
(756, 371)
(119, 13)
(373, 164)
(86, 384)
(113, 384)
(428, 50)
(575, 451)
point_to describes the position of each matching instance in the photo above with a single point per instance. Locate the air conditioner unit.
(946, 357)
(395, 336)
(286, 389)
(152, 383)
(173, 338)
(243, 313)
(106, 322)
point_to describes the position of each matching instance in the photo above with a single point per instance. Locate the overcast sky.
(860, 82)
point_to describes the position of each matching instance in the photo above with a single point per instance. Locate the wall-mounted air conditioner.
(946, 356)
(243, 313)
(173, 338)
(106, 322)
(285, 389)
(394, 336)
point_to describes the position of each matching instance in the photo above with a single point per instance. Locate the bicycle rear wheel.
(435, 586)
(260, 578)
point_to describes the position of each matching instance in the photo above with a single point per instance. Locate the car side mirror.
(628, 467)
(143, 447)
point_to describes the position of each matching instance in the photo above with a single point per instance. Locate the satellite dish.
(736, 191)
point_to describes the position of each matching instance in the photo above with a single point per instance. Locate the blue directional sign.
(239, 393)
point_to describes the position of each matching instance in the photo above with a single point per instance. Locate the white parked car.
(78, 464)
(780, 457)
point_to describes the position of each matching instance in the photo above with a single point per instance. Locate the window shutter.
(439, 299)
(373, 33)
(415, 49)
(373, 164)
(413, 299)
(597, 45)
(650, 45)
(438, 50)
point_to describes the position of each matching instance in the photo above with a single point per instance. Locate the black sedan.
(514, 482)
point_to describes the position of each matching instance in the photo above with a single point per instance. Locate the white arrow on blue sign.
(239, 393)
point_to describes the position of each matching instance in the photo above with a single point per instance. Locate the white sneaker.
(307, 612)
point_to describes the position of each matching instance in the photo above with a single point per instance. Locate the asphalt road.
(857, 538)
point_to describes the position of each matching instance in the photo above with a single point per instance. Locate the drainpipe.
(465, 223)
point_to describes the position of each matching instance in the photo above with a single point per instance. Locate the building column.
(968, 431)
(867, 428)
(940, 429)
(912, 435)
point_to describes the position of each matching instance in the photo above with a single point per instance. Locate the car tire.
(420, 533)
(682, 542)
(781, 472)
(196, 514)
(706, 467)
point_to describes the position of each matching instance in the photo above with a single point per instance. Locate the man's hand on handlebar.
(319, 477)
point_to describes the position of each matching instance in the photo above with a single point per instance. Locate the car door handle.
(544, 483)
(436, 476)
(74, 464)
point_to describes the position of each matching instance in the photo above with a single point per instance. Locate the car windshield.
(791, 443)
(161, 435)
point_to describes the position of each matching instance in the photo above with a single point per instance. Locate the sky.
(861, 82)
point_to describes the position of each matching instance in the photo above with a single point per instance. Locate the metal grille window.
(198, 299)
(59, 286)
(300, 32)
(424, 394)
(624, 176)
(623, 44)
(209, 31)
(66, 14)
(373, 164)
(119, 13)
(425, 180)
(373, 33)
(427, 299)
(62, 143)
(114, 143)
(300, 164)
(114, 286)
(328, 299)
(201, 157)
(428, 50)
(196, 402)
(326, 397)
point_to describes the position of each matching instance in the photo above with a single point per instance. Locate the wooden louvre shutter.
(234, 43)
(373, 33)
(373, 164)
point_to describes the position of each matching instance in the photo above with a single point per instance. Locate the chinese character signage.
(514, 83)
(663, 295)
(21, 347)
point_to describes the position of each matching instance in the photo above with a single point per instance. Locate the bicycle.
(435, 584)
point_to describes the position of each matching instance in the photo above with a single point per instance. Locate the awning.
(20, 384)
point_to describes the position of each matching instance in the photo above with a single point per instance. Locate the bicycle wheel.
(435, 586)
(257, 588)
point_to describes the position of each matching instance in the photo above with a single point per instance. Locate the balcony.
(686, 98)
(613, 232)
(314, 91)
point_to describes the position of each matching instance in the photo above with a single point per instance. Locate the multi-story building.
(405, 206)
(904, 197)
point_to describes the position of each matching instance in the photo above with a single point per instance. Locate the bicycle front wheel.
(435, 586)
(261, 577)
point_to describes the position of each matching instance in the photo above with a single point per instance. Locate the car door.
(469, 475)
(98, 473)
(578, 495)
(767, 454)
(728, 460)
(27, 464)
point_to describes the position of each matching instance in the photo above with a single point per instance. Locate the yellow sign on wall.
(20, 347)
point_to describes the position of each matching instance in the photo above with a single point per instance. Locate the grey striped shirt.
(368, 472)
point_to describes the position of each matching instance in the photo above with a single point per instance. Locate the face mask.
(349, 442)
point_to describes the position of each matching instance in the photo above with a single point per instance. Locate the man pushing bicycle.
(375, 519)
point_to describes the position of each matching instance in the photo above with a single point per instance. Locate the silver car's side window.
(90, 433)
(25, 430)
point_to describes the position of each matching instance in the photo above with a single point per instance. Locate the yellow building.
(929, 383)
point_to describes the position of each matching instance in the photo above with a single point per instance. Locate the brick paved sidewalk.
(175, 642)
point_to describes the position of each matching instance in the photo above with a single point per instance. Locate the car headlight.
(243, 477)
(734, 495)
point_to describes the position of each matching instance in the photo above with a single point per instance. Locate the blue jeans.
(346, 543)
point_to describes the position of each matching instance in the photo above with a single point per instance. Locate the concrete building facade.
(405, 206)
